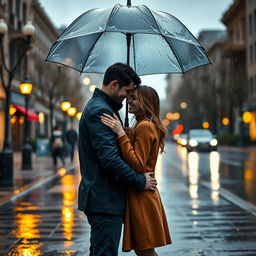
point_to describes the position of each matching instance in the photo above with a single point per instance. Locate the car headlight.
(213, 142)
(184, 142)
(193, 143)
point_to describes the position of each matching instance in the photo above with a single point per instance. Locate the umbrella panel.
(92, 21)
(109, 49)
(188, 55)
(73, 52)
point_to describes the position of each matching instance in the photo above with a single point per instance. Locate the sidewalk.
(25, 180)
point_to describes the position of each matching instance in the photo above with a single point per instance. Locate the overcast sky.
(197, 15)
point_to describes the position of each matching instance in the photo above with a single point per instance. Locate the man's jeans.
(105, 234)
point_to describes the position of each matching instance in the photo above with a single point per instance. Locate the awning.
(31, 115)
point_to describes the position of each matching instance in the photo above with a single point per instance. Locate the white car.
(201, 139)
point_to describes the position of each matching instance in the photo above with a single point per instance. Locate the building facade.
(46, 78)
(251, 64)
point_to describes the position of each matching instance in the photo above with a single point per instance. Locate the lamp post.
(26, 88)
(52, 94)
(6, 157)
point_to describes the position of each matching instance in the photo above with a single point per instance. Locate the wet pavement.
(202, 222)
(229, 168)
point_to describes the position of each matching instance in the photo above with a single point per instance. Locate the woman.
(145, 226)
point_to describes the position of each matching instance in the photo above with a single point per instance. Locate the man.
(71, 137)
(105, 175)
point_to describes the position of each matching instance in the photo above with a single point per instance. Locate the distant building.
(197, 81)
(235, 20)
(251, 63)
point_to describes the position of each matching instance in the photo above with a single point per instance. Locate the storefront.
(17, 120)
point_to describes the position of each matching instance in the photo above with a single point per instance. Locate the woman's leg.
(147, 252)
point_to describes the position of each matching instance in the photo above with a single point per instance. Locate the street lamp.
(78, 115)
(26, 88)
(72, 113)
(6, 157)
(65, 105)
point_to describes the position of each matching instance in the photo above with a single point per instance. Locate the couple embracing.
(117, 167)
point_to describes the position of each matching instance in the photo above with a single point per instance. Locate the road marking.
(225, 161)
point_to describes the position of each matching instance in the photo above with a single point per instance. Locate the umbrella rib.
(134, 53)
(110, 15)
(165, 39)
(91, 51)
(98, 38)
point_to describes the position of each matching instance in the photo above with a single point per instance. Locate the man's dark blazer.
(105, 175)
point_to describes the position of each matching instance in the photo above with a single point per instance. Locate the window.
(255, 52)
(250, 24)
(231, 35)
(24, 13)
(251, 86)
(254, 14)
(254, 86)
(18, 8)
(251, 54)
(238, 35)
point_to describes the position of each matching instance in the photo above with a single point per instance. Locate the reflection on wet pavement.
(202, 223)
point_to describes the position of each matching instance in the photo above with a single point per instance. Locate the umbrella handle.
(126, 120)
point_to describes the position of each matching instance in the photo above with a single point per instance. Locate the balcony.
(238, 46)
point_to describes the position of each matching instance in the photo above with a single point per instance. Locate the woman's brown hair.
(150, 105)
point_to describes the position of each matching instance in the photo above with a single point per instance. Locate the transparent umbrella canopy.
(151, 42)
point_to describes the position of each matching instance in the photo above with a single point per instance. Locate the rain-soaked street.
(198, 191)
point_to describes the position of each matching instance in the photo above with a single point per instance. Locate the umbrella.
(151, 42)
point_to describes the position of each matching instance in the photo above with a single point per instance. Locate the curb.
(35, 184)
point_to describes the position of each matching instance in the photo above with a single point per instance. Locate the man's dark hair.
(123, 73)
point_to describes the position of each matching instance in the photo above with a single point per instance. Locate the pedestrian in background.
(57, 145)
(71, 138)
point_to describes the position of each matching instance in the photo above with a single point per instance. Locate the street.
(198, 192)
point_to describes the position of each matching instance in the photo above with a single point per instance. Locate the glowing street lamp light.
(78, 115)
(176, 116)
(183, 105)
(26, 87)
(225, 121)
(65, 105)
(205, 125)
(72, 111)
(166, 122)
(169, 116)
(86, 81)
(247, 117)
(92, 88)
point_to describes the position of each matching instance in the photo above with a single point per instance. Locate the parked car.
(182, 140)
(201, 139)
